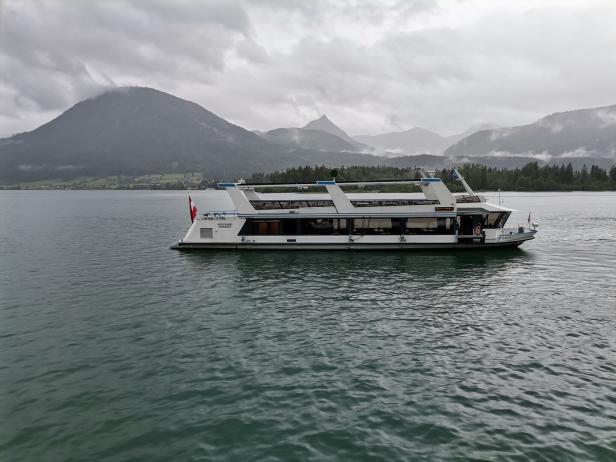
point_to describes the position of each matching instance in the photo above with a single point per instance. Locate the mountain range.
(320, 134)
(137, 130)
(581, 133)
(416, 140)
(306, 138)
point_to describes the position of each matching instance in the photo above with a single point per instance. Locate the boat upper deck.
(434, 199)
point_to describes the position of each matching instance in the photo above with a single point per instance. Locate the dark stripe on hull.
(354, 246)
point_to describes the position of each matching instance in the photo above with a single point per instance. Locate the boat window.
(491, 220)
(290, 227)
(340, 226)
(430, 225)
(323, 226)
(373, 225)
(206, 233)
(391, 202)
(421, 225)
(294, 226)
(495, 219)
(288, 204)
(261, 228)
(322, 203)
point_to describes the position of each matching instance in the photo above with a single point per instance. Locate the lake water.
(115, 348)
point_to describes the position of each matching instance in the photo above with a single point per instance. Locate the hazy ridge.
(140, 131)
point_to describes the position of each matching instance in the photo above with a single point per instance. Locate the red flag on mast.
(193, 209)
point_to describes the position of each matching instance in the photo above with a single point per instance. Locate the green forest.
(531, 177)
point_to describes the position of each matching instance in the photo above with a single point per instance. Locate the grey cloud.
(371, 65)
(220, 13)
(52, 54)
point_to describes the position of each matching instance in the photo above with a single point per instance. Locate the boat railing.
(518, 230)
(249, 186)
(467, 199)
(219, 214)
(391, 202)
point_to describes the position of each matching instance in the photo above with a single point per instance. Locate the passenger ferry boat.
(364, 221)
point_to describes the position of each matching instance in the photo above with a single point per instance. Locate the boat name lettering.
(225, 225)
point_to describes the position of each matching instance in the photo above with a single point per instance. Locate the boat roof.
(295, 196)
(317, 184)
(433, 189)
(303, 196)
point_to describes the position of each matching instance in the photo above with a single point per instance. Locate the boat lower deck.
(346, 246)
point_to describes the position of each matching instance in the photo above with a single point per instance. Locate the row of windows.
(345, 226)
(392, 202)
(271, 205)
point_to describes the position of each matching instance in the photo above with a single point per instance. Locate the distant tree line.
(310, 174)
(531, 177)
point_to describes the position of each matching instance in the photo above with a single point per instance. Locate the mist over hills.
(416, 140)
(583, 133)
(308, 138)
(413, 141)
(139, 130)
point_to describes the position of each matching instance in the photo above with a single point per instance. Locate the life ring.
(477, 230)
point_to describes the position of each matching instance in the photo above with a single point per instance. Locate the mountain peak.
(123, 90)
(324, 124)
(131, 130)
(135, 92)
(422, 131)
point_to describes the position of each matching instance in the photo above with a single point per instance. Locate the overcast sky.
(371, 66)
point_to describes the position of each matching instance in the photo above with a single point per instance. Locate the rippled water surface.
(115, 348)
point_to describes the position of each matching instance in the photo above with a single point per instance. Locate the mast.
(464, 183)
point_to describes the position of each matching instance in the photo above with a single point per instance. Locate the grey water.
(115, 348)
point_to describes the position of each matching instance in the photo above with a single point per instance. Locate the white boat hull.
(512, 242)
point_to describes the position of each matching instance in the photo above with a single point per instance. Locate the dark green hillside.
(531, 177)
(136, 131)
